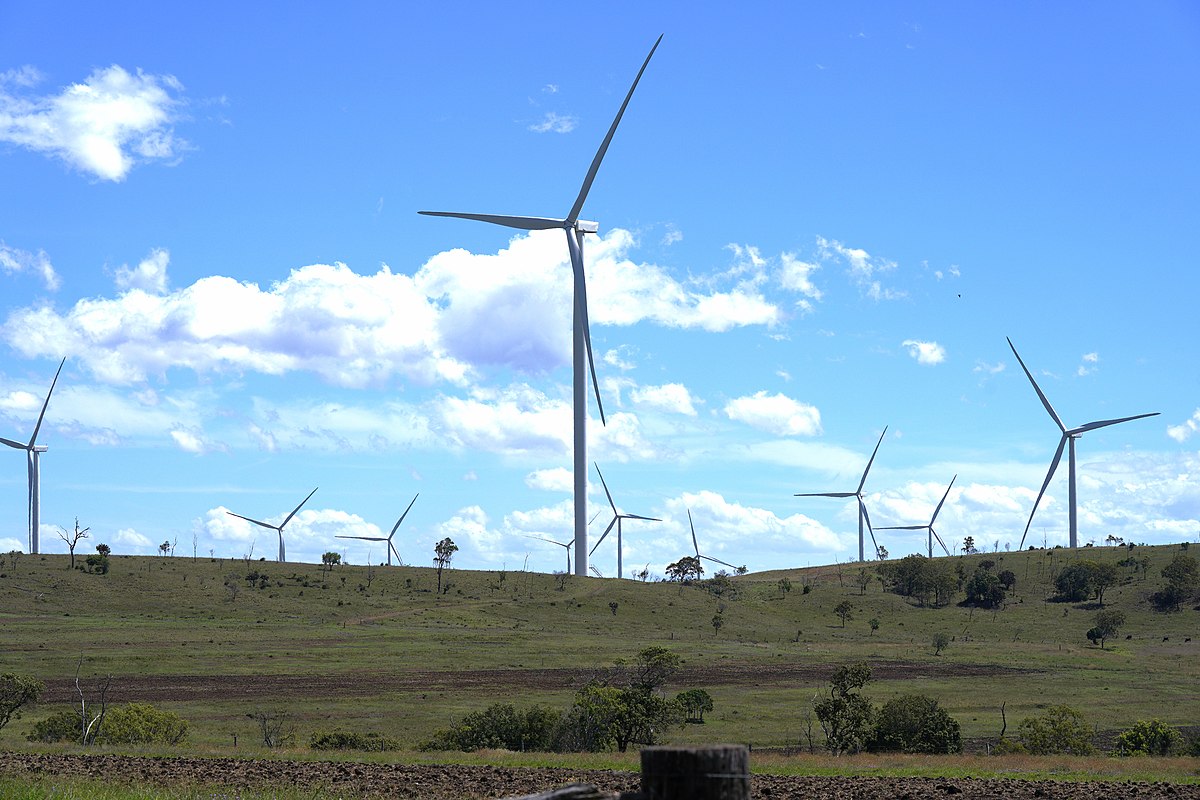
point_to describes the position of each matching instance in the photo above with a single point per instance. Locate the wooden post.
(714, 772)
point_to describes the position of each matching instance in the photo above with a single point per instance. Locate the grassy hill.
(381, 650)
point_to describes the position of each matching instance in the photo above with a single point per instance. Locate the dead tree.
(89, 725)
(72, 539)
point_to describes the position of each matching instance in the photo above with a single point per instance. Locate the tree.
(685, 569)
(500, 726)
(969, 544)
(275, 727)
(785, 586)
(653, 667)
(863, 579)
(165, 547)
(718, 620)
(72, 539)
(17, 691)
(846, 716)
(843, 610)
(984, 589)
(443, 552)
(1074, 582)
(99, 562)
(1059, 729)
(624, 716)
(1008, 579)
(881, 553)
(1151, 737)
(914, 723)
(1183, 579)
(142, 723)
(940, 642)
(1104, 575)
(104, 550)
(1108, 622)
(874, 623)
(694, 703)
(330, 560)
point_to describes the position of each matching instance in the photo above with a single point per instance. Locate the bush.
(1060, 729)
(500, 726)
(16, 691)
(914, 723)
(61, 726)
(141, 723)
(1008, 746)
(352, 740)
(1148, 738)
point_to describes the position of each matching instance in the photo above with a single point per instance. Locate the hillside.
(381, 650)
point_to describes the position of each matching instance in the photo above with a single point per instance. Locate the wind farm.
(33, 455)
(617, 519)
(279, 528)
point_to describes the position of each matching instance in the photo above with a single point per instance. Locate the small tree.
(275, 727)
(443, 552)
(1151, 737)
(1104, 575)
(330, 560)
(940, 642)
(717, 621)
(685, 569)
(785, 586)
(915, 723)
(874, 623)
(164, 548)
(1059, 729)
(694, 703)
(16, 691)
(969, 544)
(1108, 622)
(843, 610)
(846, 716)
(72, 538)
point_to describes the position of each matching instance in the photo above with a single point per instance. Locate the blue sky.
(816, 220)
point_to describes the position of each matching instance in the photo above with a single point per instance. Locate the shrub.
(1148, 738)
(914, 723)
(61, 726)
(1008, 746)
(1059, 729)
(352, 740)
(142, 723)
(501, 726)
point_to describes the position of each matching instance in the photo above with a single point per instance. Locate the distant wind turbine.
(616, 520)
(33, 453)
(279, 528)
(564, 545)
(696, 547)
(391, 548)
(575, 229)
(862, 507)
(1068, 435)
(932, 533)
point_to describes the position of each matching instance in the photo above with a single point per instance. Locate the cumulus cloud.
(557, 479)
(777, 413)
(553, 122)
(863, 268)
(128, 539)
(1088, 365)
(796, 276)
(150, 275)
(927, 353)
(192, 440)
(621, 357)
(102, 126)
(673, 397)
(723, 528)
(13, 261)
(1186, 429)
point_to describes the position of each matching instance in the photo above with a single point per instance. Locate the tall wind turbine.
(862, 507)
(33, 453)
(565, 545)
(279, 528)
(581, 340)
(696, 547)
(616, 520)
(1068, 435)
(391, 548)
(929, 527)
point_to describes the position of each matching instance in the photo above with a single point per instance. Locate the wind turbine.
(581, 340)
(565, 545)
(700, 555)
(391, 548)
(1068, 435)
(33, 452)
(929, 527)
(279, 528)
(616, 520)
(862, 507)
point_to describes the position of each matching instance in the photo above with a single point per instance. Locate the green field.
(155, 617)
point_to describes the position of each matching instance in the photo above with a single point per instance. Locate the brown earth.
(181, 688)
(354, 780)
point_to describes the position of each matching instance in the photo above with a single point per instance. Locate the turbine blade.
(595, 167)
(266, 525)
(521, 223)
(297, 508)
(42, 415)
(937, 510)
(575, 245)
(364, 538)
(863, 508)
(904, 527)
(397, 553)
(1104, 423)
(718, 561)
(638, 516)
(863, 482)
(606, 492)
(402, 516)
(693, 527)
(827, 494)
(1049, 476)
(11, 443)
(939, 540)
(1036, 388)
(601, 539)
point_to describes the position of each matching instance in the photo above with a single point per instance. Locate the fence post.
(713, 772)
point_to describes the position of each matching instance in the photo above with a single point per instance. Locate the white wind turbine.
(932, 533)
(575, 229)
(1068, 435)
(277, 528)
(33, 453)
(862, 507)
(616, 520)
(391, 548)
(565, 545)
(696, 547)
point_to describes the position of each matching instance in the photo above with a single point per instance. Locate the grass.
(176, 616)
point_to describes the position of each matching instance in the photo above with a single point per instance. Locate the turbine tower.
(391, 548)
(862, 507)
(33, 454)
(565, 545)
(279, 528)
(929, 527)
(700, 555)
(616, 520)
(581, 340)
(1068, 435)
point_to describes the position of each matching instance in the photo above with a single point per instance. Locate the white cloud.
(672, 236)
(725, 529)
(556, 479)
(150, 275)
(673, 397)
(796, 276)
(128, 539)
(555, 123)
(988, 369)
(927, 353)
(192, 440)
(13, 261)
(862, 267)
(778, 414)
(1090, 360)
(621, 357)
(102, 126)
(516, 420)
(468, 528)
(7, 545)
(1185, 430)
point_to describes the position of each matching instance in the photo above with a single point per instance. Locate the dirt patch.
(354, 780)
(184, 688)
